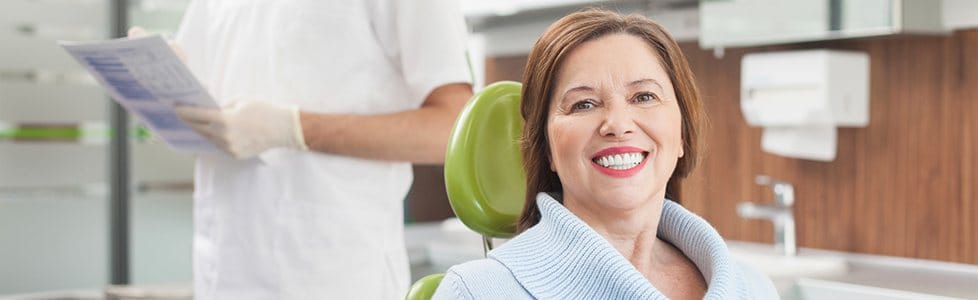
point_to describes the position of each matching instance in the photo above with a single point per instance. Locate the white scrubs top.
(304, 225)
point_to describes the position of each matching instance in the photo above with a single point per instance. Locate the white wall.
(960, 14)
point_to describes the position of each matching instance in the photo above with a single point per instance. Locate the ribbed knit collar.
(563, 258)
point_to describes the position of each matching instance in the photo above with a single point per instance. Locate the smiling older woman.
(612, 124)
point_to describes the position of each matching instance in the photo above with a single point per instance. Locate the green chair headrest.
(483, 165)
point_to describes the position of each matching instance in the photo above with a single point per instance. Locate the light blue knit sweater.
(563, 258)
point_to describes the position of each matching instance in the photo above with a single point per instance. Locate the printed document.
(146, 77)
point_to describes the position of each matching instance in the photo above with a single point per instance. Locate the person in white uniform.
(325, 104)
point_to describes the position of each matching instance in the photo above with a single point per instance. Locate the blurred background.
(89, 198)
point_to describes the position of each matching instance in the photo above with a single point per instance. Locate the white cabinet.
(734, 23)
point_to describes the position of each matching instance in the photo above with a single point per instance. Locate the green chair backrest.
(483, 167)
(425, 287)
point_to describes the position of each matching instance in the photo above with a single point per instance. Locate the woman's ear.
(682, 149)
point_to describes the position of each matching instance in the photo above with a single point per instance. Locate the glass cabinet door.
(55, 158)
(53, 149)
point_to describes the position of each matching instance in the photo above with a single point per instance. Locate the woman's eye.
(646, 98)
(583, 105)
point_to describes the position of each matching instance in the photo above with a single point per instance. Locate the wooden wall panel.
(963, 86)
(904, 186)
(505, 68)
(427, 201)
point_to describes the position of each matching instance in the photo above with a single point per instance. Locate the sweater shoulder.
(480, 279)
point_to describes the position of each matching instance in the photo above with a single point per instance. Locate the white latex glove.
(247, 128)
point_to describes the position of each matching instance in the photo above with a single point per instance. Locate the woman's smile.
(620, 161)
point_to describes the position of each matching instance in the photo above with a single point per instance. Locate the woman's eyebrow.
(581, 88)
(586, 88)
(644, 81)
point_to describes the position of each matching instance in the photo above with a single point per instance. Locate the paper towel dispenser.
(801, 97)
(808, 87)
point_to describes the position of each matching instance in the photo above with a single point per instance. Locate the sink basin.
(779, 266)
(808, 288)
(785, 270)
(825, 274)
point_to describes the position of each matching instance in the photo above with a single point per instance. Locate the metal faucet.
(779, 212)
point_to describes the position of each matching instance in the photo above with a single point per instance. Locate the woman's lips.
(620, 161)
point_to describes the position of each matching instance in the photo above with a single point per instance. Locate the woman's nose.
(617, 122)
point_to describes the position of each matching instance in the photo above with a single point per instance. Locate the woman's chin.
(628, 200)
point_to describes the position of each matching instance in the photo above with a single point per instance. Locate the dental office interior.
(842, 157)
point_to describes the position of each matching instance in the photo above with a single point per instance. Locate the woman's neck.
(633, 233)
(630, 231)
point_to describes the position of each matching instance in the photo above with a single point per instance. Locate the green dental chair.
(484, 170)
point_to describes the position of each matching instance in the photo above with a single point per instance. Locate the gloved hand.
(247, 128)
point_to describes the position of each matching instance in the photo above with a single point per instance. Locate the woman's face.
(614, 125)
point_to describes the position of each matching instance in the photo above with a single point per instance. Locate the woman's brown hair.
(544, 61)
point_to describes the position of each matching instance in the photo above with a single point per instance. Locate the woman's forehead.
(614, 60)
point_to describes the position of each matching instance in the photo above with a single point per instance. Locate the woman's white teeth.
(622, 161)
